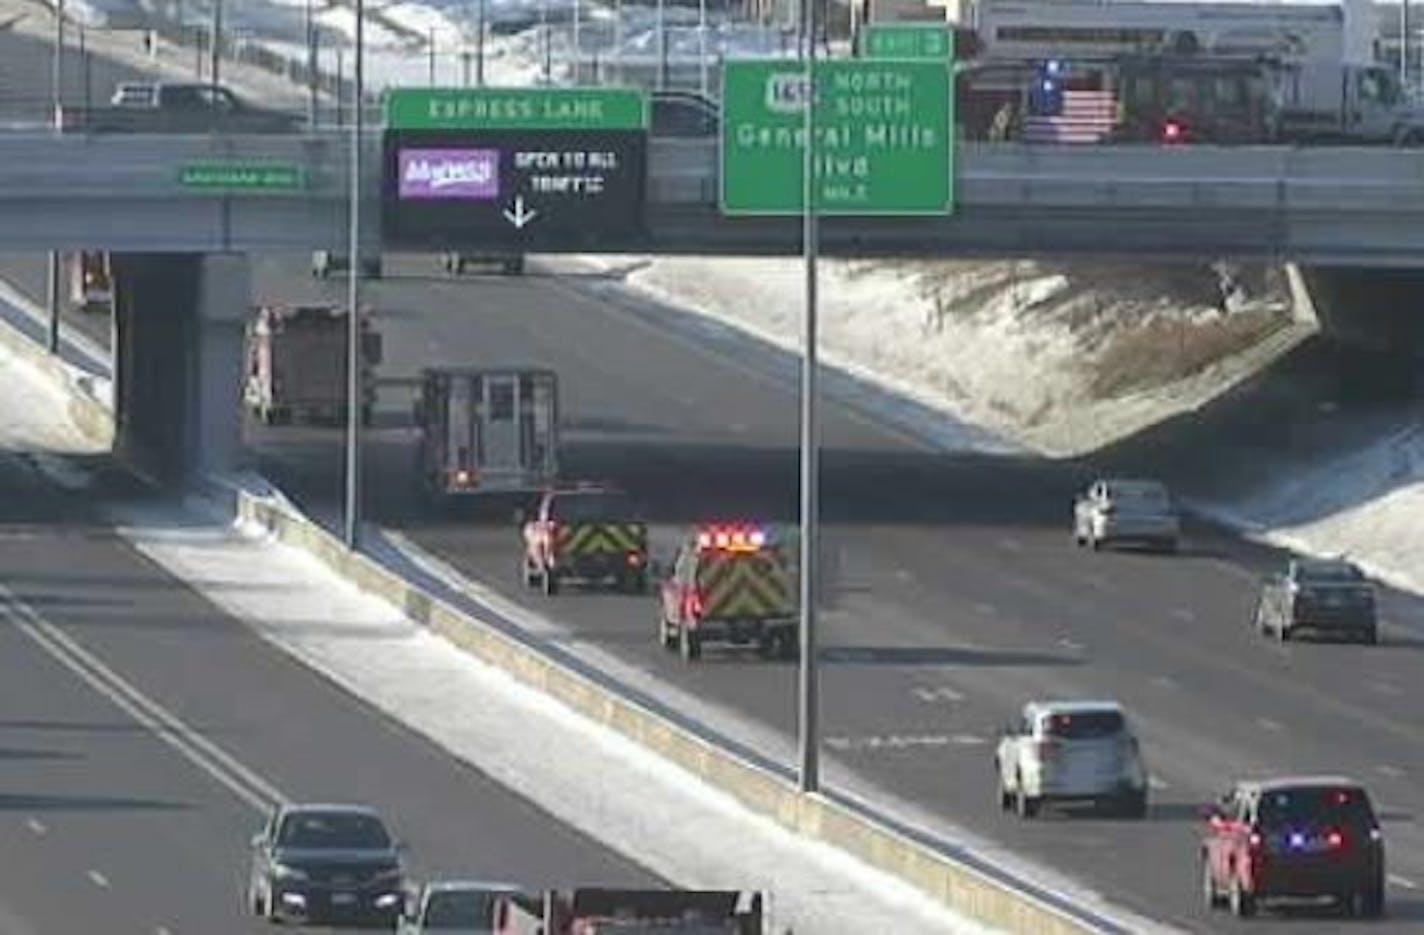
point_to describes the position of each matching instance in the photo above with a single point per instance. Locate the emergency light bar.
(731, 538)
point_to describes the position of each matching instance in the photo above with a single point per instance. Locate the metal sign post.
(55, 269)
(354, 387)
(808, 688)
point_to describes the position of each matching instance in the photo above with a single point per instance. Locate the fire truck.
(91, 282)
(486, 431)
(296, 365)
(635, 912)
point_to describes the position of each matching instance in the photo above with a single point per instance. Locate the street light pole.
(808, 706)
(662, 44)
(215, 63)
(1404, 43)
(432, 56)
(313, 63)
(57, 117)
(702, 44)
(480, 48)
(355, 386)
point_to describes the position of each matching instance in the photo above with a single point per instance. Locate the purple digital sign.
(440, 174)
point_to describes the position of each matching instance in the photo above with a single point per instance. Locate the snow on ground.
(1060, 358)
(589, 777)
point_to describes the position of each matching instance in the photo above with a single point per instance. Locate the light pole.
(355, 388)
(480, 47)
(215, 64)
(313, 63)
(432, 56)
(1404, 43)
(808, 701)
(662, 44)
(544, 37)
(702, 44)
(57, 116)
(618, 38)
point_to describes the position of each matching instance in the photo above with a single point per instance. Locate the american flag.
(1086, 117)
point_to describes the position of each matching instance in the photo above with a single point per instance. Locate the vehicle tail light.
(1334, 839)
(1173, 132)
(1376, 836)
(1254, 840)
(635, 559)
(694, 603)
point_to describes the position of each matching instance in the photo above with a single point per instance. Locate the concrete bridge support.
(178, 352)
(1378, 309)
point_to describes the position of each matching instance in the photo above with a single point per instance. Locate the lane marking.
(98, 879)
(968, 740)
(243, 782)
(938, 694)
(904, 574)
(899, 741)
(1071, 645)
(1386, 688)
(1010, 544)
(1185, 614)
(985, 609)
(1157, 783)
(1164, 681)
(1393, 772)
(1404, 882)
(1268, 724)
(36, 827)
(162, 930)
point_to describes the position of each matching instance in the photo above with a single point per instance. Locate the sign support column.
(809, 713)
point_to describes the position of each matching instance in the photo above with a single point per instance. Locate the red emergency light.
(731, 538)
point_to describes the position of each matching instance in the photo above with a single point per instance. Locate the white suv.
(1071, 752)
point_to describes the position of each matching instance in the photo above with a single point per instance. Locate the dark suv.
(1323, 595)
(1294, 838)
(326, 863)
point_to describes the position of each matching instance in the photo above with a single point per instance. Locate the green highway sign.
(930, 41)
(883, 137)
(242, 176)
(516, 109)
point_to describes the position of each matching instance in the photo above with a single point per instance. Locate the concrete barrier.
(963, 888)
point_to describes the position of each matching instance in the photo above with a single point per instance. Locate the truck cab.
(487, 431)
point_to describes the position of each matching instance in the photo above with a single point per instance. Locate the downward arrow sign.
(520, 216)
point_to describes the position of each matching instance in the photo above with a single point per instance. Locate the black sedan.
(326, 863)
(1328, 596)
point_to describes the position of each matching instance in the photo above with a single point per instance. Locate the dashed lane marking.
(1071, 645)
(98, 879)
(1268, 724)
(1164, 681)
(1403, 882)
(37, 827)
(1185, 614)
(1393, 772)
(986, 610)
(1386, 688)
(1157, 783)
(939, 694)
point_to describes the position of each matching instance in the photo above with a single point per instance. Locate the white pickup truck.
(451, 906)
(1068, 752)
(1140, 511)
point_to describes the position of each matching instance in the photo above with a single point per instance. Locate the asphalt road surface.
(957, 593)
(107, 828)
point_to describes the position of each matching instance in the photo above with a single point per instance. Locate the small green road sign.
(883, 137)
(243, 176)
(516, 109)
(930, 41)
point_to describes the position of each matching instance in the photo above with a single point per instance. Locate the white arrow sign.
(519, 216)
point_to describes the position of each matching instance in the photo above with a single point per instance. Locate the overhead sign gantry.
(522, 169)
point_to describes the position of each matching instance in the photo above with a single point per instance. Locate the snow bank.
(1019, 347)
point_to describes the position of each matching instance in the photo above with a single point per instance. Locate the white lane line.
(1268, 724)
(159, 721)
(1386, 688)
(1009, 544)
(1164, 681)
(986, 610)
(98, 879)
(37, 827)
(162, 930)
(1400, 881)
(1157, 783)
(1071, 645)
(938, 694)
(1393, 772)
(1185, 614)
(967, 740)
(904, 574)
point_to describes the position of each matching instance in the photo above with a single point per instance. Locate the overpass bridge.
(1332, 206)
